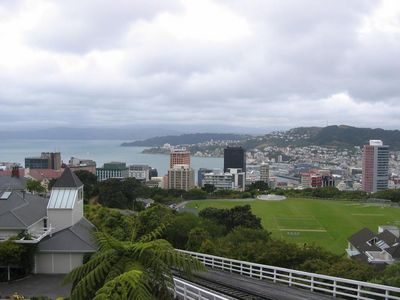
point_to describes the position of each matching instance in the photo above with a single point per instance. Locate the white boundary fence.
(328, 285)
(186, 290)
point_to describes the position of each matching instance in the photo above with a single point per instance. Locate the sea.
(101, 151)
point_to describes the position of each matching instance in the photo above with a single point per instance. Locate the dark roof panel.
(12, 183)
(77, 238)
(68, 180)
(394, 251)
(360, 239)
(20, 211)
(388, 237)
(9, 220)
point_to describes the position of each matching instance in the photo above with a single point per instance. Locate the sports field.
(324, 222)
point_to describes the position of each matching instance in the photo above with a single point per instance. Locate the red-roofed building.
(43, 175)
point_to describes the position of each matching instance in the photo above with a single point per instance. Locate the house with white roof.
(56, 225)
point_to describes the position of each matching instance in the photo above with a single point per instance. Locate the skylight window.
(5, 196)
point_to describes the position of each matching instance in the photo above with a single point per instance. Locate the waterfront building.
(234, 179)
(77, 164)
(156, 182)
(181, 177)
(234, 158)
(153, 173)
(47, 160)
(219, 179)
(116, 170)
(200, 175)
(375, 167)
(140, 172)
(179, 156)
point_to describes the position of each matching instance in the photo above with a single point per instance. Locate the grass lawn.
(324, 222)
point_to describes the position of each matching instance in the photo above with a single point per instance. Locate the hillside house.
(57, 225)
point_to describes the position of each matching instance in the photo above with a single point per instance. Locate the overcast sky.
(258, 63)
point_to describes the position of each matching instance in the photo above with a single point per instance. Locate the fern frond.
(130, 285)
(91, 281)
(156, 233)
(107, 242)
(81, 271)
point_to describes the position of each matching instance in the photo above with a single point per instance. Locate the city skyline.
(225, 63)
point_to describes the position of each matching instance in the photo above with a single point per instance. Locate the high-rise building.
(234, 158)
(181, 177)
(179, 157)
(375, 165)
(264, 173)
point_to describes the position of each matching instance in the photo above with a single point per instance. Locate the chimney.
(15, 172)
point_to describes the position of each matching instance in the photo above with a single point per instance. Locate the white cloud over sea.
(273, 64)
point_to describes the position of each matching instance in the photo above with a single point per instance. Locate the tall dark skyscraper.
(234, 158)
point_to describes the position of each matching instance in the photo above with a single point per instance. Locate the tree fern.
(136, 269)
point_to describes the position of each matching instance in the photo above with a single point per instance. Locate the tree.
(149, 219)
(258, 186)
(177, 232)
(391, 275)
(18, 256)
(234, 217)
(137, 269)
(110, 221)
(209, 188)
(196, 238)
(34, 186)
(89, 181)
(195, 194)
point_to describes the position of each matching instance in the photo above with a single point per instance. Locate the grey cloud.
(288, 72)
(79, 26)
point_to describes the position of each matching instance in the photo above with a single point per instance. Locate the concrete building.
(116, 170)
(47, 160)
(140, 172)
(264, 173)
(200, 175)
(219, 179)
(239, 178)
(77, 164)
(56, 226)
(375, 167)
(179, 156)
(181, 177)
(156, 182)
(234, 158)
(234, 179)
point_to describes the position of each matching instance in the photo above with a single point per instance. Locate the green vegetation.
(34, 186)
(322, 222)
(140, 268)
(16, 260)
(244, 240)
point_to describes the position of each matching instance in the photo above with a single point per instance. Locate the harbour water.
(100, 151)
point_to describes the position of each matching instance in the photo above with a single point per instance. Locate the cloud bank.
(248, 63)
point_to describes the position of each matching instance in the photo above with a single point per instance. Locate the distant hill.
(338, 136)
(352, 136)
(186, 139)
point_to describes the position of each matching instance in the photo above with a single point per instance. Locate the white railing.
(186, 290)
(329, 285)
